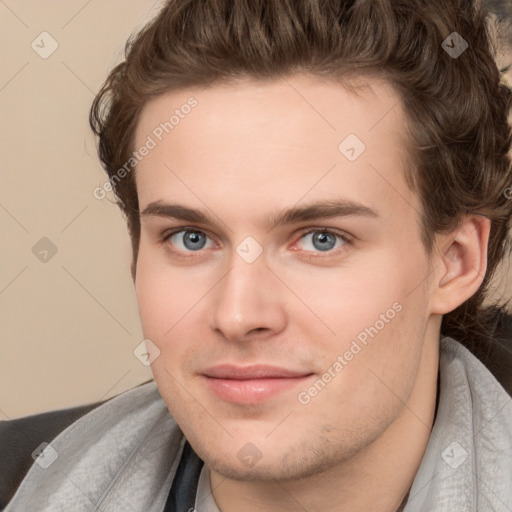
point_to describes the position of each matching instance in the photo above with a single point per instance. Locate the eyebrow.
(327, 209)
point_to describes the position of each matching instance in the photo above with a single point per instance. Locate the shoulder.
(20, 437)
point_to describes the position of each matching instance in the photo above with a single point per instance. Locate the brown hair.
(456, 107)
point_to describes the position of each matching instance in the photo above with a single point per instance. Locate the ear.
(460, 264)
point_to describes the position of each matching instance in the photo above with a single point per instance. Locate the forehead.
(243, 106)
(280, 140)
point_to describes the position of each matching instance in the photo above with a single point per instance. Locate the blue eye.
(323, 241)
(188, 240)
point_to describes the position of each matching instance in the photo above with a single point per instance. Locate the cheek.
(342, 302)
(163, 303)
(157, 297)
(374, 315)
(172, 306)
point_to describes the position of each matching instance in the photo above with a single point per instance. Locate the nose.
(248, 302)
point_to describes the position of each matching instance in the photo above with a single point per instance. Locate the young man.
(318, 195)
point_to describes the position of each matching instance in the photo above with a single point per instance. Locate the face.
(277, 229)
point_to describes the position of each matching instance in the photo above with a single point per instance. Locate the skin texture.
(247, 151)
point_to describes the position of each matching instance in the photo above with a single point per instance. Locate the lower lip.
(252, 391)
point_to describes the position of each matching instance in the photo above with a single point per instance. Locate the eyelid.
(324, 229)
(172, 231)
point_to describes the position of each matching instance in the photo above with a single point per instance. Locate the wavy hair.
(456, 108)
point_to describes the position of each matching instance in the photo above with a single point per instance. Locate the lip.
(255, 371)
(250, 385)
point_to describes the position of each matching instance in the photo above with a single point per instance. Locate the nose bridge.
(247, 298)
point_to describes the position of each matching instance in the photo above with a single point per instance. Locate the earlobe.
(461, 264)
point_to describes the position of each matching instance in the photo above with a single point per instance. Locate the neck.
(377, 478)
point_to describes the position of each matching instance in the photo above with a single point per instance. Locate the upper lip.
(257, 371)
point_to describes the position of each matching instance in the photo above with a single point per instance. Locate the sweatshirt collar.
(467, 465)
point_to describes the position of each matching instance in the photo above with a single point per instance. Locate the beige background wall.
(68, 326)
(68, 321)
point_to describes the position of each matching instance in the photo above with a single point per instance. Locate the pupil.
(322, 239)
(194, 238)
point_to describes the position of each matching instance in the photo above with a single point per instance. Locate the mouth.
(251, 384)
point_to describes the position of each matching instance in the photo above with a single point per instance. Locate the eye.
(188, 240)
(323, 240)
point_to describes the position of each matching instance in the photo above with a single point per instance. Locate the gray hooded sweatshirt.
(123, 455)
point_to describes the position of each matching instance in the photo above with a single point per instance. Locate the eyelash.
(347, 241)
